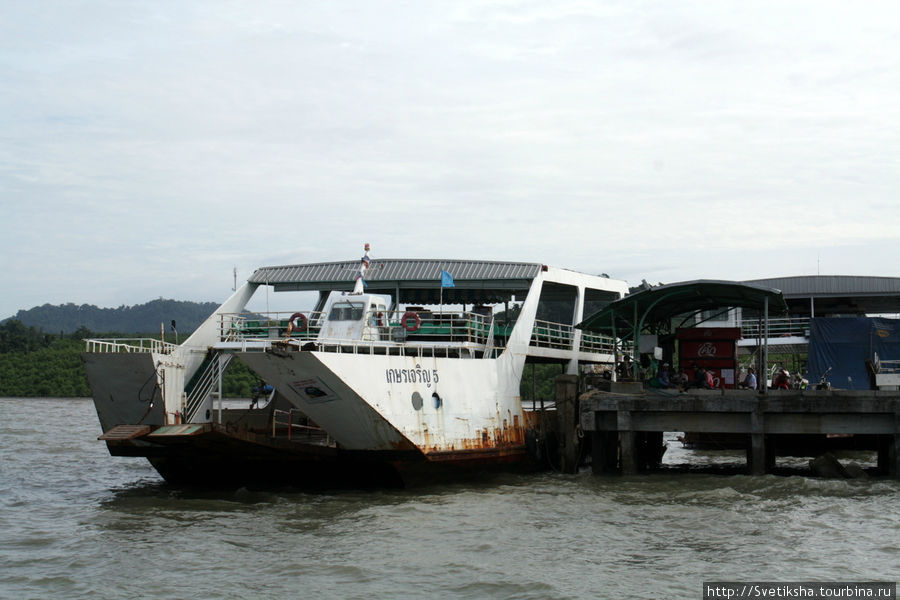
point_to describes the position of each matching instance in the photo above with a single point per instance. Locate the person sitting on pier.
(702, 378)
(663, 376)
(680, 380)
(749, 382)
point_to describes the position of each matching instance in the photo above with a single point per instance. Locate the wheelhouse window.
(346, 311)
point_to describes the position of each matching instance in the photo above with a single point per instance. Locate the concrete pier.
(626, 428)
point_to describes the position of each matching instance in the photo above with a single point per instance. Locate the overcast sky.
(148, 148)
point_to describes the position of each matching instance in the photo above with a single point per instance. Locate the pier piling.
(626, 427)
(566, 411)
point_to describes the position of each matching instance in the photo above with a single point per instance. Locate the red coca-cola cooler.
(713, 348)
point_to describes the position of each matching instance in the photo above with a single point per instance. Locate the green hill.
(140, 318)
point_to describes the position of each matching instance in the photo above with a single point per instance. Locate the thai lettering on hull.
(417, 375)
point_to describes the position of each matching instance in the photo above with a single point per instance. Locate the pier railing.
(889, 366)
(778, 327)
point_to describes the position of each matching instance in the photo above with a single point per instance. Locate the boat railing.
(402, 326)
(602, 344)
(120, 345)
(427, 326)
(286, 420)
(237, 327)
(778, 327)
(204, 385)
(547, 334)
(410, 327)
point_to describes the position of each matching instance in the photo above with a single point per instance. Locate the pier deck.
(627, 427)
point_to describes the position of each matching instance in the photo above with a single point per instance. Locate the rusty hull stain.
(507, 441)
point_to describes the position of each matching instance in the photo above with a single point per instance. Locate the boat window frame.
(357, 311)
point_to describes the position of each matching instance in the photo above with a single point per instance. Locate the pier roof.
(662, 303)
(837, 294)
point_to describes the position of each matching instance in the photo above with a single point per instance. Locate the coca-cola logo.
(707, 349)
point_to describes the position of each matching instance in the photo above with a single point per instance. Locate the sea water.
(78, 523)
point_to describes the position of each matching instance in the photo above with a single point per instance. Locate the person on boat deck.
(749, 382)
(782, 380)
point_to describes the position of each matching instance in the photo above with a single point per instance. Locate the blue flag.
(446, 279)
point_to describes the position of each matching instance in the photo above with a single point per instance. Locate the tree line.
(34, 363)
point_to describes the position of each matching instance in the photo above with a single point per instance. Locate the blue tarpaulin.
(845, 344)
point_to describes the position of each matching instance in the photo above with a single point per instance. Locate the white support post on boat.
(615, 347)
(220, 358)
(489, 342)
(760, 366)
(765, 345)
(635, 341)
(572, 368)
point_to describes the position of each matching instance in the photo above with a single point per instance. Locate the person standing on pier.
(782, 380)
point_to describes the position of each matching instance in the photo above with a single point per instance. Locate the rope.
(152, 394)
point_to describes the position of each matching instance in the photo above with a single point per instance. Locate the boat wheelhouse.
(402, 366)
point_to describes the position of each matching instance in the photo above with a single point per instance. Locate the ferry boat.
(404, 369)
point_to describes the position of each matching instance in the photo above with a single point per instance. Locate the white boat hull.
(375, 403)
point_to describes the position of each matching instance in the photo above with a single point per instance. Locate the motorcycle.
(824, 384)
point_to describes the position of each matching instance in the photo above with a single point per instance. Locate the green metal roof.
(662, 303)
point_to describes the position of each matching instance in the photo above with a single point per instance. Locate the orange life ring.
(301, 325)
(417, 321)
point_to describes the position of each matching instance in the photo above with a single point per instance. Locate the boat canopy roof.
(662, 303)
(413, 280)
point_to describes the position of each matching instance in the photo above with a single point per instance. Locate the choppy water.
(76, 522)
